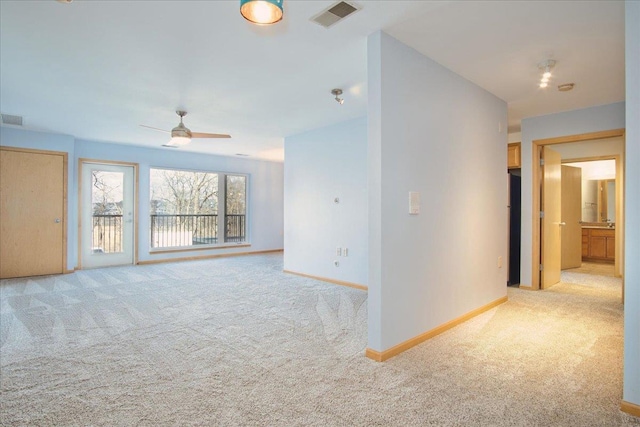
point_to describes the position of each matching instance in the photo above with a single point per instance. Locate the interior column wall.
(433, 132)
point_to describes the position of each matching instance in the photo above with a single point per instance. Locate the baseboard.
(404, 346)
(326, 279)
(630, 408)
(527, 288)
(201, 257)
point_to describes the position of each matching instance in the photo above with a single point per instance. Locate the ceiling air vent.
(335, 13)
(8, 119)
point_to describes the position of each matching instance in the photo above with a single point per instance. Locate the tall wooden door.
(32, 212)
(571, 230)
(551, 206)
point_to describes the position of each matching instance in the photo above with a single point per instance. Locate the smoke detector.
(566, 87)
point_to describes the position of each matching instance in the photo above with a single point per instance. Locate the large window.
(185, 208)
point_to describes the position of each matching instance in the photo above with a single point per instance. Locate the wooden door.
(551, 206)
(571, 231)
(32, 212)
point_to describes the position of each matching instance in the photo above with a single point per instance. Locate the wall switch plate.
(345, 252)
(339, 251)
(414, 203)
(499, 262)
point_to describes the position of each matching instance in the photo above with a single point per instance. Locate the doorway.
(543, 229)
(108, 214)
(33, 212)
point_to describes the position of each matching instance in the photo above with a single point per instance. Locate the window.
(236, 208)
(185, 209)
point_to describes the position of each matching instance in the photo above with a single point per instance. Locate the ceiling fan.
(181, 135)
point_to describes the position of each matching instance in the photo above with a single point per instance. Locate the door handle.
(562, 224)
(57, 221)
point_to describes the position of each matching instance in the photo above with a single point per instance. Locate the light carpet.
(237, 342)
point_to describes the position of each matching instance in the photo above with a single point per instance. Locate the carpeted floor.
(235, 342)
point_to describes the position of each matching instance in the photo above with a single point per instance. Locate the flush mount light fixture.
(337, 93)
(546, 67)
(566, 87)
(263, 12)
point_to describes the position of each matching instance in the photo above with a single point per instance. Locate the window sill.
(199, 248)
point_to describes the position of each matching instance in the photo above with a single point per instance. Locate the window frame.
(221, 215)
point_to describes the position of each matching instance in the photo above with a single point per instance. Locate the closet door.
(32, 212)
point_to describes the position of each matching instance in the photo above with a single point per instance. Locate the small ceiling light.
(566, 87)
(64, 1)
(337, 93)
(262, 11)
(546, 66)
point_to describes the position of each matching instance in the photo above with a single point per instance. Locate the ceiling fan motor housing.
(180, 131)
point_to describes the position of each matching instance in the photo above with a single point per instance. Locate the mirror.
(598, 190)
(599, 200)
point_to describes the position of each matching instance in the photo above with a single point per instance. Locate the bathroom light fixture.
(337, 93)
(262, 11)
(546, 67)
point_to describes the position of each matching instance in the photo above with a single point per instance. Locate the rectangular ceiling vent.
(335, 14)
(8, 119)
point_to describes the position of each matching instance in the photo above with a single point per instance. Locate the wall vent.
(8, 119)
(335, 13)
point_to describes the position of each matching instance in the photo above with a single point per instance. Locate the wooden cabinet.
(598, 244)
(513, 156)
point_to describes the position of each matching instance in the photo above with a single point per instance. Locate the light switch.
(414, 203)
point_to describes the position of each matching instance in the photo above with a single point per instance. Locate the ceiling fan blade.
(209, 135)
(151, 127)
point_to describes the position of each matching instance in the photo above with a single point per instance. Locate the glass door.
(107, 225)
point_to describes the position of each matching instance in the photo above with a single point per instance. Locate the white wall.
(605, 117)
(321, 165)
(266, 222)
(434, 132)
(514, 137)
(593, 148)
(631, 391)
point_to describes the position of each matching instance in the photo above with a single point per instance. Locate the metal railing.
(235, 230)
(106, 236)
(188, 230)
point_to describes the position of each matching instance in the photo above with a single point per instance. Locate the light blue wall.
(321, 165)
(632, 207)
(265, 208)
(595, 119)
(433, 132)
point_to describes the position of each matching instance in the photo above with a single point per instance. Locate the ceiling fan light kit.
(262, 12)
(181, 135)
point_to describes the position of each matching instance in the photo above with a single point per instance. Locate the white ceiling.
(98, 69)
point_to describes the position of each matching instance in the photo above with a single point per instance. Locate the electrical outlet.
(338, 251)
(345, 252)
(499, 262)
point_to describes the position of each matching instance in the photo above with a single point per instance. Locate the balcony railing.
(235, 230)
(188, 230)
(106, 236)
